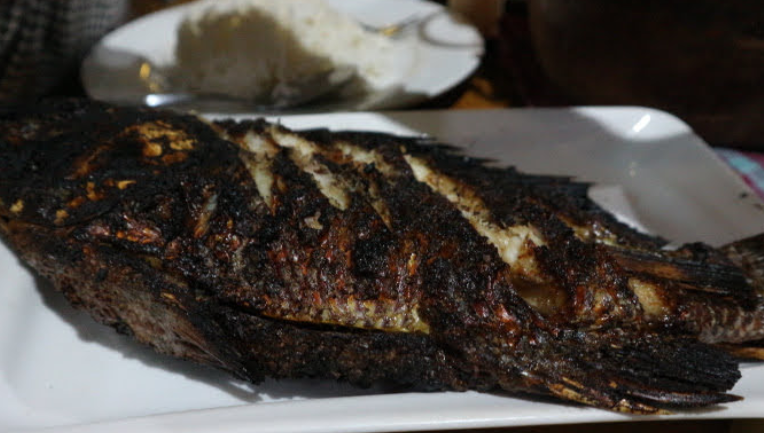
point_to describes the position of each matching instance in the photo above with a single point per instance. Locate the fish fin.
(690, 268)
(748, 254)
(647, 374)
(750, 350)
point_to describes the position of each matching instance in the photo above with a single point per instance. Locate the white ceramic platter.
(59, 369)
(430, 59)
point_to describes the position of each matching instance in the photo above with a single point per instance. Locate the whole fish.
(367, 258)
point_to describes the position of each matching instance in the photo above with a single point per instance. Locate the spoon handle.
(167, 99)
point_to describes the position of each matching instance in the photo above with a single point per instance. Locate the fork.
(394, 30)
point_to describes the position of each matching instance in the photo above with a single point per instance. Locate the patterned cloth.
(43, 41)
(749, 165)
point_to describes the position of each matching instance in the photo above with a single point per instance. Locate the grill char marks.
(461, 233)
(583, 266)
(353, 272)
(564, 277)
(358, 256)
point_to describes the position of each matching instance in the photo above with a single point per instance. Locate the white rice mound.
(248, 48)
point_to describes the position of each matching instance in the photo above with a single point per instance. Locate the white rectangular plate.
(59, 369)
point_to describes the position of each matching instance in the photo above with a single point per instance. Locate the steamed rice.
(253, 48)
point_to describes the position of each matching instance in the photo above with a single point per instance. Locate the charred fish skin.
(157, 254)
(583, 267)
(357, 256)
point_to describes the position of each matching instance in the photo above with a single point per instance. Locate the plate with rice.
(265, 48)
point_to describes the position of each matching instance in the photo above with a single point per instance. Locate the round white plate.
(437, 55)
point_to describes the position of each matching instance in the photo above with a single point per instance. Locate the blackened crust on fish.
(597, 262)
(156, 310)
(357, 256)
(519, 197)
(64, 177)
(276, 349)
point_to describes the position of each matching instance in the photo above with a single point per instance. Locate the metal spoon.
(284, 96)
(395, 30)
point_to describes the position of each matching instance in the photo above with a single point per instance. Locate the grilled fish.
(367, 258)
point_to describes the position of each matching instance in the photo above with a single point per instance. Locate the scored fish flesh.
(367, 258)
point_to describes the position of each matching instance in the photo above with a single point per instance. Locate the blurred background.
(702, 60)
